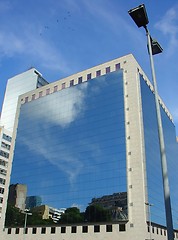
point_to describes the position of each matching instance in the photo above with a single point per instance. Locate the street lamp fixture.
(139, 16)
(156, 48)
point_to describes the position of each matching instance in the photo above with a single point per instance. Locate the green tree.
(71, 215)
(96, 213)
(14, 218)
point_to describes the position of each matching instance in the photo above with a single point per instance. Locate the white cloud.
(63, 111)
(168, 25)
(72, 105)
(10, 44)
(29, 44)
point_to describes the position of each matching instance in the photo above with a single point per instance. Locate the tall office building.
(33, 201)
(17, 195)
(17, 85)
(93, 135)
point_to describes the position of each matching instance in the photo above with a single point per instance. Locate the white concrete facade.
(96, 231)
(136, 227)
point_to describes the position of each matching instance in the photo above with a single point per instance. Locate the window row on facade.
(73, 229)
(160, 231)
(71, 83)
(85, 229)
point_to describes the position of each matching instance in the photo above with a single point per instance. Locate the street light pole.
(170, 231)
(139, 16)
(25, 223)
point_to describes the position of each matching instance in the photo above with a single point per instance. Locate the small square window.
(26, 230)
(117, 66)
(55, 88)
(73, 229)
(26, 99)
(40, 94)
(63, 85)
(17, 231)
(85, 229)
(43, 230)
(79, 80)
(96, 228)
(63, 229)
(9, 230)
(48, 91)
(98, 73)
(108, 69)
(71, 83)
(88, 76)
(108, 228)
(33, 97)
(121, 227)
(53, 230)
(34, 230)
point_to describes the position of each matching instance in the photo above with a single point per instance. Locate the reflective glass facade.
(70, 145)
(153, 160)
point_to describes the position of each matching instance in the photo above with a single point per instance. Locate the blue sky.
(60, 38)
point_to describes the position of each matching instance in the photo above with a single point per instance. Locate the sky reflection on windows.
(70, 145)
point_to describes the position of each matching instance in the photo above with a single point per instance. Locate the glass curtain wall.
(153, 159)
(70, 149)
